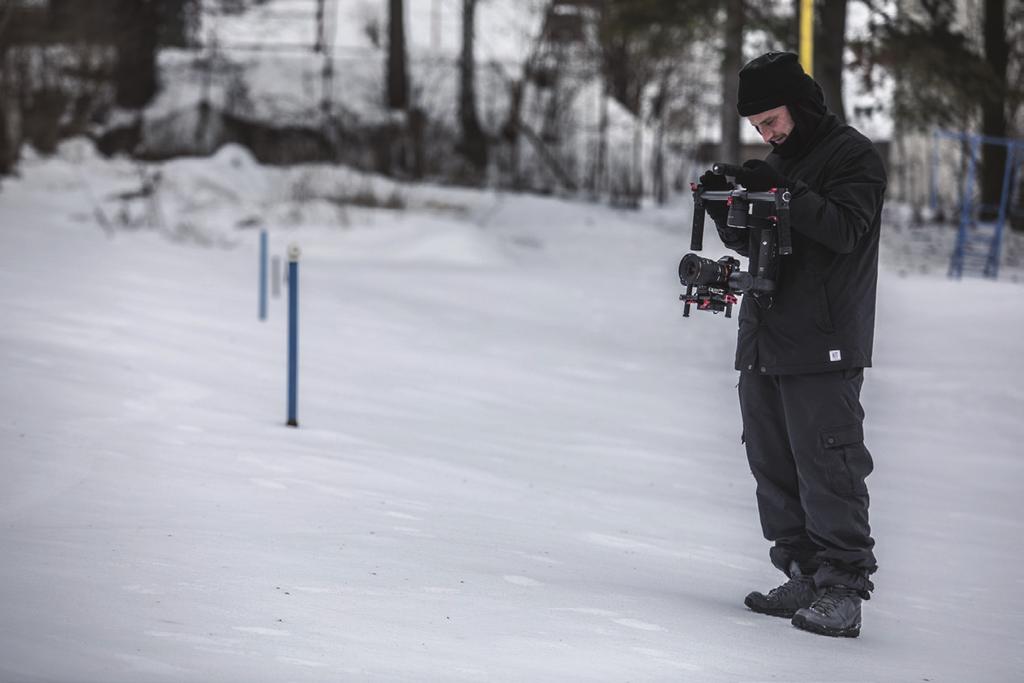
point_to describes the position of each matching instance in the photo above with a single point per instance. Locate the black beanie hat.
(770, 81)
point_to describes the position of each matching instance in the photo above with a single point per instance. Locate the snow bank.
(515, 461)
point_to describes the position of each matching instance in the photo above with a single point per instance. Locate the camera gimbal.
(715, 285)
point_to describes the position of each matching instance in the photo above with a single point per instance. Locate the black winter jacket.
(822, 315)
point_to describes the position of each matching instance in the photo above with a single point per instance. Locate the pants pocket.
(846, 459)
(853, 374)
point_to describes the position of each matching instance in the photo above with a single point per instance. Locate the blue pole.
(263, 274)
(992, 266)
(966, 209)
(293, 334)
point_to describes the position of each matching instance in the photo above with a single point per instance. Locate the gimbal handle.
(729, 170)
(780, 197)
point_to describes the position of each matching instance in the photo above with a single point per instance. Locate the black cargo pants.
(805, 444)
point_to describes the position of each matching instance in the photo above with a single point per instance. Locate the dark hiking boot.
(785, 600)
(836, 613)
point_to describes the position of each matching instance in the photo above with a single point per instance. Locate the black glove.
(713, 182)
(758, 176)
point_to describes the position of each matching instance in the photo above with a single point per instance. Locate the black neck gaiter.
(811, 120)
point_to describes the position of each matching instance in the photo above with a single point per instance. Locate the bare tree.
(644, 44)
(398, 79)
(829, 46)
(659, 116)
(179, 22)
(732, 61)
(474, 142)
(973, 84)
(9, 135)
(136, 38)
(993, 106)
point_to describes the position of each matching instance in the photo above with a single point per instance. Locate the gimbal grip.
(729, 170)
(782, 198)
(697, 229)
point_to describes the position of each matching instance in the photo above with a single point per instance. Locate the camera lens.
(694, 270)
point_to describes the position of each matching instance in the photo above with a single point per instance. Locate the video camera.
(715, 285)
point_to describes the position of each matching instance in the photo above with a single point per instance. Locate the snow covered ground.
(516, 461)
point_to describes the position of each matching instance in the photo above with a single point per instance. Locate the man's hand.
(714, 182)
(758, 176)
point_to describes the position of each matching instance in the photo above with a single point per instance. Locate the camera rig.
(716, 285)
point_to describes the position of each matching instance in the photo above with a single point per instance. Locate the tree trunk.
(474, 143)
(135, 73)
(9, 142)
(398, 80)
(658, 186)
(993, 107)
(10, 95)
(179, 23)
(512, 128)
(635, 189)
(625, 85)
(732, 62)
(598, 182)
(829, 45)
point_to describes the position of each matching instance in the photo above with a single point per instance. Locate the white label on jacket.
(834, 355)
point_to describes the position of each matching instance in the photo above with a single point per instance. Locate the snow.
(516, 461)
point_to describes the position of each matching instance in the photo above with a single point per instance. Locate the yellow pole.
(807, 36)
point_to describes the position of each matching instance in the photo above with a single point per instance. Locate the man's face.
(774, 125)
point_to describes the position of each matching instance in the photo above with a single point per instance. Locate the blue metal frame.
(969, 233)
(293, 342)
(956, 264)
(263, 274)
(1004, 203)
(933, 185)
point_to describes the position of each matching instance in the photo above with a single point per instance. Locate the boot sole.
(776, 612)
(801, 622)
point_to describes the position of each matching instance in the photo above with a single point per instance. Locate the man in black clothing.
(801, 351)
